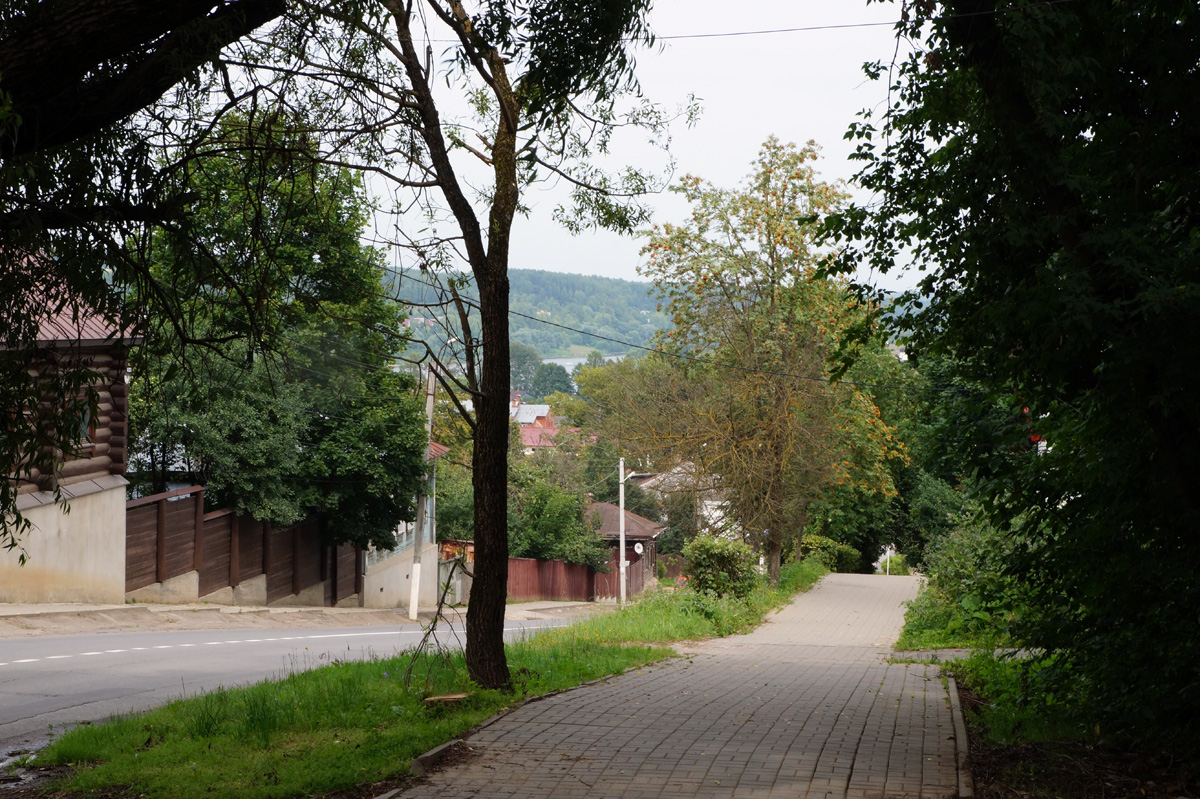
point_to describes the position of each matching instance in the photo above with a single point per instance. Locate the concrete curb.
(966, 785)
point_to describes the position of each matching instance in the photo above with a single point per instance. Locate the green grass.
(350, 723)
(1022, 705)
(933, 621)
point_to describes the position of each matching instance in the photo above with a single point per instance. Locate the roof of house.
(70, 325)
(528, 414)
(537, 437)
(637, 527)
(435, 450)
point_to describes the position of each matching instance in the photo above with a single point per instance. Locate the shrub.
(896, 564)
(834, 555)
(721, 566)
(660, 570)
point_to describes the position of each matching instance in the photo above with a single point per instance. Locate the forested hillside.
(618, 309)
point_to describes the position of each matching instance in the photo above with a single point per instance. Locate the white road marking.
(513, 628)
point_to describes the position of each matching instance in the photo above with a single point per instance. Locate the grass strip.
(351, 723)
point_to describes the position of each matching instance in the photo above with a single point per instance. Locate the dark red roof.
(74, 326)
(435, 450)
(609, 517)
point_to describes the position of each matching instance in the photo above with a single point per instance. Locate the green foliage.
(455, 506)
(971, 598)
(547, 523)
(546, 517)
(1026, 699)
(523, 363)
(720, 566)
(683, 522)
(290, 409)
(894, 564)
(834, 555)
(1036, 164)
(550, 378)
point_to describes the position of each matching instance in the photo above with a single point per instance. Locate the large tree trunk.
(486, 662)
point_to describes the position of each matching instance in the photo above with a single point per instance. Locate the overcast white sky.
(798, 85)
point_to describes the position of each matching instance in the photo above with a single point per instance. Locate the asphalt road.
(48, 684)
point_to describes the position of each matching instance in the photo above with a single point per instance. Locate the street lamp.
(425, 506)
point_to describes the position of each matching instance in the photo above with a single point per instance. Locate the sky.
(797, 85)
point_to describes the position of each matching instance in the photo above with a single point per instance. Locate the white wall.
(71, 557)
(386, 583)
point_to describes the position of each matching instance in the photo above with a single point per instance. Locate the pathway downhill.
(805, 706)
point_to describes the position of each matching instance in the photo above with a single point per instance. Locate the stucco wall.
(386, 583)
(71, 557)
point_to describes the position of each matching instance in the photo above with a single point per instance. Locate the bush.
(660, 570)
(896, 564)
(724, 567)
(834, 555)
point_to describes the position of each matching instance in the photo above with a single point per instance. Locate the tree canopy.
(742, 395)
(293, 408)
(1037, 162)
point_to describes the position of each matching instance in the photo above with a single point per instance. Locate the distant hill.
(619, 309)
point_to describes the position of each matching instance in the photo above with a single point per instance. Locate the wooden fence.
(168, 535)
(608, 586)
(530, 579)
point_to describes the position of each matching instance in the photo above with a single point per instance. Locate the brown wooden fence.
(530, 579)
(608, 586)
(168, 535)
(163, 536)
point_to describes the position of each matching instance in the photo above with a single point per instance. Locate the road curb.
(966, 785)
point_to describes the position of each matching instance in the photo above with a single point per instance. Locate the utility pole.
(414, 593)
(621, 495)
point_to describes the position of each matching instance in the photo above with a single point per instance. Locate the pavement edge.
(966, 785)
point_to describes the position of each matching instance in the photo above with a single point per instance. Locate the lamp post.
(424, 507)
(621, 526)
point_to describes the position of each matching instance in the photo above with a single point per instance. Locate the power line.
(680, 356)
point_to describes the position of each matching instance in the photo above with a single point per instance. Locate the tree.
(523, 364)
(297, 411)
(747, 403)
(543, 82)
(77, 190)
(546, 85)
(1038, 162)
(551, 378)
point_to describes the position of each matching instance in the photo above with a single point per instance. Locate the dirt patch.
(1071, 770)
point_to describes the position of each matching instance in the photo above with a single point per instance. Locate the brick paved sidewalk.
(805, 706)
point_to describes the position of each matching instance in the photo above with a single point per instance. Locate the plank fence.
(168, 535)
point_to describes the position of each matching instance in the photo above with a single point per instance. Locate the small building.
(641, 549)
(75, 546)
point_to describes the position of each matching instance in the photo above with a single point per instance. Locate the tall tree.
(544, 84)
(1037, 161)
(296, 410)
(747, 402)
(523, 364)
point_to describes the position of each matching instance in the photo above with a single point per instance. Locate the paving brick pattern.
(806, 706)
